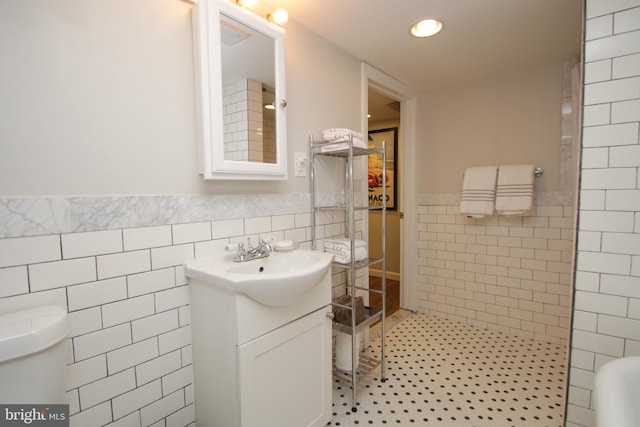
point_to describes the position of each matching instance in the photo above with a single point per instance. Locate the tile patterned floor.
(445, 373)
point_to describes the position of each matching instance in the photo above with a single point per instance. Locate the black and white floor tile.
(445, 373)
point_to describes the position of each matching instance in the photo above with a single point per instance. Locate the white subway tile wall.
(510, 274)
(607, 294)
(29, 250)
(129, 348)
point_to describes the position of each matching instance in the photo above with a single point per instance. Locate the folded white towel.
(514, 194)
(341, 248)
(344, 256)
(357, 142)
(478, 191)
(338, 134)
(344, 243)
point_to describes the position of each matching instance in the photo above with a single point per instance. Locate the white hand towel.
(357, 142)
(341, 248)
(344, 243)
(478, 191)
(344, 256)
(514, 194)
(339, 134)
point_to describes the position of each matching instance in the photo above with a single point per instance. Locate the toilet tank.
(32, 356)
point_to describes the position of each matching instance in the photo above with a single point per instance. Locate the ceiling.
(480, 38)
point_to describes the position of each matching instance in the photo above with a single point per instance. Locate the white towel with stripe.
(478, 191)
(515, 190)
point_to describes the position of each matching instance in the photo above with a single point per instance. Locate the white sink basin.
(277, 280)
(617, 393)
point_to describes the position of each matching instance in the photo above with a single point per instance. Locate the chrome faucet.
(263, 249)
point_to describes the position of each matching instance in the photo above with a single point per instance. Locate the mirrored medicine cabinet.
(240, 93)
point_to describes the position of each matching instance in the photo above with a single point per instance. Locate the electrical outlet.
(300, 164)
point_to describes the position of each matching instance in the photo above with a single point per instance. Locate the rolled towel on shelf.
(345, 243)
(478, 191)
(331, 136)
(344, 256)
(340, 134)
(341, 248)
(515, 190)
(357, 143)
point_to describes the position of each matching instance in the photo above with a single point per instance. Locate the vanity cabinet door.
(285, 375)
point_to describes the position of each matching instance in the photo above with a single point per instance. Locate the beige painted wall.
(96, 101)
(511, 119)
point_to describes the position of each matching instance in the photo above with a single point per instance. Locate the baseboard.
(390, 274)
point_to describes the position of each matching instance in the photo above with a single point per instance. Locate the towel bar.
(538, 172)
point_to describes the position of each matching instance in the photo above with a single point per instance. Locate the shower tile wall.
(242, 118)
(606, 321)
(129, 349)
(507, 274)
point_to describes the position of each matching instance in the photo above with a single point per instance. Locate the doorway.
(384, 120)
(402, 98)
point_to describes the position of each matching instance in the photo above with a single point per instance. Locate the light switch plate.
(300, 162)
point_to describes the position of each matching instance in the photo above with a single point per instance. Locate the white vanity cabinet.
(259, 365)
(281, 374)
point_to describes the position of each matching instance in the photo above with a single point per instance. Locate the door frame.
(389, 86)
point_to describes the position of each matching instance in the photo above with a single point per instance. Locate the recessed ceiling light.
(426, 28)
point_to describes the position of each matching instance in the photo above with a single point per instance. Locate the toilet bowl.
(32, 356)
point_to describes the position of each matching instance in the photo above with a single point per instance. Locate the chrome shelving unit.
(346, 152)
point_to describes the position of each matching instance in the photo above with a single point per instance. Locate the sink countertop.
(276, 280)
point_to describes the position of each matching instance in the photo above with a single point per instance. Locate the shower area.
(511, 274)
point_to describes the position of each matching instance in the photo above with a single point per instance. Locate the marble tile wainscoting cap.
(30, 216)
